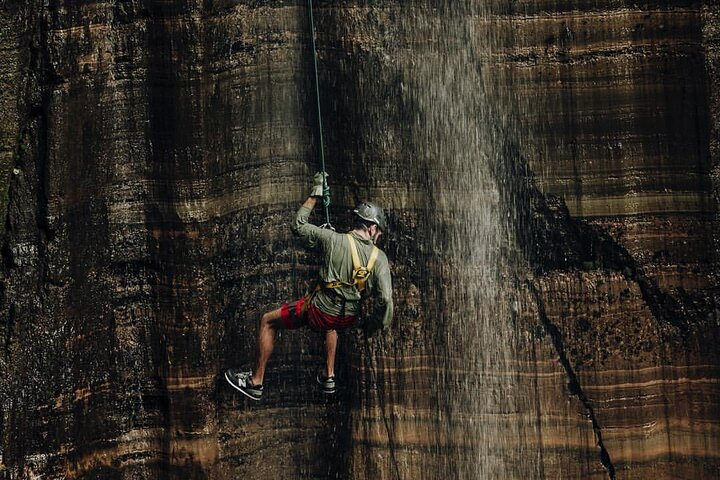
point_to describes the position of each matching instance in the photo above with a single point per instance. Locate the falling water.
(465, 114)
(463, 133)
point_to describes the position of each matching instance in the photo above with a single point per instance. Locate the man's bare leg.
(269, 322)
(331, 337)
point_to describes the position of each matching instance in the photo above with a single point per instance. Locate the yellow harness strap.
(360, 272)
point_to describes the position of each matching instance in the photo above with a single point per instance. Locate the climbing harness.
(360, 275)
(326, 188)
(361, 272)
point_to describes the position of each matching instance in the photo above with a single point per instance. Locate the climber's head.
(371, 219)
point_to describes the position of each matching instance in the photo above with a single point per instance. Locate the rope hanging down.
(326, 188)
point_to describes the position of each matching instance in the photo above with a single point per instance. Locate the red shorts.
(295, 316)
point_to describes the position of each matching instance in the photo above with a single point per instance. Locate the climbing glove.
(318, 184)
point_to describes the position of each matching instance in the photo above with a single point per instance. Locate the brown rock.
(551, 173)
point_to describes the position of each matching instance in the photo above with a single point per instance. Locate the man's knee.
(271, 320)
(265, 319)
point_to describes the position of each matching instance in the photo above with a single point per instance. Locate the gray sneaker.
(242, 381)
(327, 384)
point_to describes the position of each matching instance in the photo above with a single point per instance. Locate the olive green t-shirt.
(338, 266)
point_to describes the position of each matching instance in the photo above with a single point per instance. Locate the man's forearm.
(310, 202)
(310, 233)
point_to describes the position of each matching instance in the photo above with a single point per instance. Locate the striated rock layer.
(551, 173)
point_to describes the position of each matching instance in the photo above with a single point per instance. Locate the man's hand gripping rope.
(322, 189)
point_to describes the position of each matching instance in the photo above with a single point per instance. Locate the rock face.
(551, 175)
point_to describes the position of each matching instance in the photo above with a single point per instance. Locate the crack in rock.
(573, 381)
(373, 367)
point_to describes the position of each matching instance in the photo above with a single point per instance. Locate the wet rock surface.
(551, 173)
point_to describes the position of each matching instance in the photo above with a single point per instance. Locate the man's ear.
(375, 232)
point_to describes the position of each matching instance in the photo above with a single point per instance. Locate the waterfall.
(462, 132)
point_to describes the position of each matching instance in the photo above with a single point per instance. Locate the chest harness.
(360, 273)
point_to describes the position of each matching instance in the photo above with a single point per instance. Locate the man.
(353, 268)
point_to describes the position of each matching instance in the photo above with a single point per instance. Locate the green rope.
(326, 188)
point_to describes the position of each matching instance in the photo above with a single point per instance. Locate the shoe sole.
(257, 399)
(324, 390)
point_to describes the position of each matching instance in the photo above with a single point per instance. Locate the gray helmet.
(372, 213)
